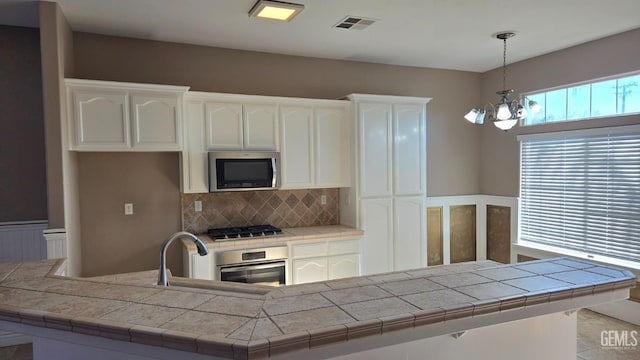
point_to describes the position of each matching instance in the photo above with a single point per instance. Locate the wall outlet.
(128, 209)
(197, 205)
(323, 199)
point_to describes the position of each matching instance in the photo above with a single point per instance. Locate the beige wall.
(56, 47)
(113, 242)
(500, 152)
(452, 156)
(23, 184)
(52, 63)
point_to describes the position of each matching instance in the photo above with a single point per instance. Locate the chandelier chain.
(504, 64)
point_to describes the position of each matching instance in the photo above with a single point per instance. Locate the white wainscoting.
(22, 241)
(481, 202)
(56, 243)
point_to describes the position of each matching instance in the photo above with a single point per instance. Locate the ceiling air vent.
(354, 23)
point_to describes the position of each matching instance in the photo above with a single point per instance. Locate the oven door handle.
(252, 267)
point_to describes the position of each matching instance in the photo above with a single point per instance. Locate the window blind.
(581, 191)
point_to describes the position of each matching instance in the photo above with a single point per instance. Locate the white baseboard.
(8, 338)
(625, 310)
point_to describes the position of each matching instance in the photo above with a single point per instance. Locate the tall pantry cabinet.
(387, 197)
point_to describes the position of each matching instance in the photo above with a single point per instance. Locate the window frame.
(566, 87)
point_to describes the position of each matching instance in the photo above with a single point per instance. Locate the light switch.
(197, 205)
(128, 209)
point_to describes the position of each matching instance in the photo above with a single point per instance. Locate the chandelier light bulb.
(505, 124)
(472, 116)
(480, 118)
(503, 112)
(522, 112)
(534, 107)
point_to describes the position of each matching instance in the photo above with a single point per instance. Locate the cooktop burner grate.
(230, 233)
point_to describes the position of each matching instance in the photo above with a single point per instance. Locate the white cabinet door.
(156, 122)
(224, 126)
(332, 150)
(260, 127)
(375, 149)
(296, 126)
(201, 267)
(343, 266)
(409, 149)
(309, 270)
(376, 220)
(194, 160)
(101, 120)
(409, 233)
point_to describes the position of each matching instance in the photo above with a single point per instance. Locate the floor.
(590, 327)
(18, 352)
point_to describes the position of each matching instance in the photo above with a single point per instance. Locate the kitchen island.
(452, 311)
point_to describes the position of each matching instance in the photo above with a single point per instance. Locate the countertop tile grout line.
(340, 307)
(272, 321)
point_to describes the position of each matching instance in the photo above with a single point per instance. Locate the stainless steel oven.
(264, 266)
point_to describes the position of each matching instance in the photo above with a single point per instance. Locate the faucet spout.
(162, 274)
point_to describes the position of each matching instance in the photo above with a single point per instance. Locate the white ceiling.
(448, 34)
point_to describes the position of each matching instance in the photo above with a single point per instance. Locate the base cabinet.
(308, 270)
(376, 219)
(324, 260)
(409, 230)
(343, 266)
(309, 261)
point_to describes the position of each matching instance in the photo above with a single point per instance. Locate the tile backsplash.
(281, 208)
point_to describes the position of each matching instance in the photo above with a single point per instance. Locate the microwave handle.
(275, 171)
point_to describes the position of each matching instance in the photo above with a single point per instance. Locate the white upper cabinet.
(156, 123)
(312, 136)
(409, 149)
(296, 126)
(314, 145)
(194, 160)
(111, 116)
(224, 126)
(100, 119)
(238, 126)
(260, 127)
(375, 149)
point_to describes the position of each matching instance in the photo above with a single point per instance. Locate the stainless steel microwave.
(237, 170)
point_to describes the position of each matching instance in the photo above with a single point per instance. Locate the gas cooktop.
(232, 233)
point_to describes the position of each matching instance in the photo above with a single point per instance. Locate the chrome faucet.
(202, 250)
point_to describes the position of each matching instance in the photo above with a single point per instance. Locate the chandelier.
(506, 113)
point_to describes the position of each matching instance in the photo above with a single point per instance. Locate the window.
(611, 97)
(580, 190)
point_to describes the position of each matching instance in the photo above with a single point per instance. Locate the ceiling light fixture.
(506, 113)
(275, 10)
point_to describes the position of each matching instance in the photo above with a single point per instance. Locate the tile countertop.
(249, 321)
(288, 234)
